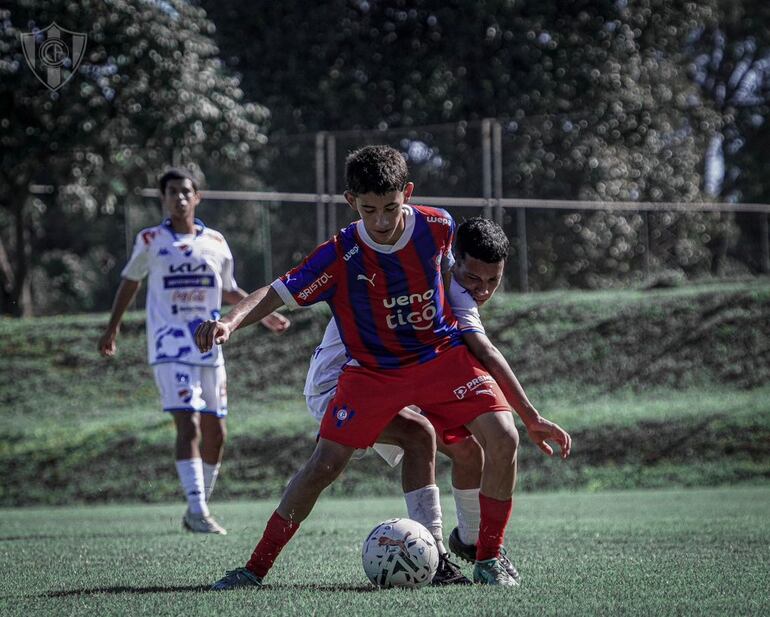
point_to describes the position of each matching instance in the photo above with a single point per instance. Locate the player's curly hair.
(375, 169)
(481, 239)
(176, 173)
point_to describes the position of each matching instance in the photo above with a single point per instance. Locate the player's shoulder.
(214, 235)
(149, 235)
(434, 216)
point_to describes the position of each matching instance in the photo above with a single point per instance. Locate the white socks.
(191, 476)
(423, 506)
(468, 514)
(210, 473)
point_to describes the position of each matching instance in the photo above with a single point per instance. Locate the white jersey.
(186, 276)
(331, 356)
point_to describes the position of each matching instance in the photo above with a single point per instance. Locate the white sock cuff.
(424, 506)
(191, 476)
(468, 514)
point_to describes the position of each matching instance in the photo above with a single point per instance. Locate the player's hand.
(276, 323)
(210, 333)
(542, 430)
(107, 346)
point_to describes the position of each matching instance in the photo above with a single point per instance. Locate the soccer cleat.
(236, 579)
(198, 523)
(509, 567)
(492, 572)
(467, 552)
(448, 573)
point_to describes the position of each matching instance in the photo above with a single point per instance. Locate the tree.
(150, 91)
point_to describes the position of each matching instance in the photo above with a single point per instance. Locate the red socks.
(494, 518)
(277, 535)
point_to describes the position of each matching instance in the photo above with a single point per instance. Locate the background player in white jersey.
(481, 249)
(190, 272)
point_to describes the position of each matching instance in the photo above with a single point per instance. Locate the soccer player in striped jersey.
(382, 276)
(480, 250)
(189, 268)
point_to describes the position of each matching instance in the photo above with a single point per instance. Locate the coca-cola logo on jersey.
(415, 310)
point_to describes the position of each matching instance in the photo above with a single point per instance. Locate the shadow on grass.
(181, 588)
(124, 589)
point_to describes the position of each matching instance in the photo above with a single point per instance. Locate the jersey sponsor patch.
(188, 280)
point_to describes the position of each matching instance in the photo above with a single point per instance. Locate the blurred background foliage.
(617, 100)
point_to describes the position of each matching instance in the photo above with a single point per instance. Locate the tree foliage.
(150, 91)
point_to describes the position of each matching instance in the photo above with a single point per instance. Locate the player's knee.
(467, 453)
(324, 466)
(418, 437)
(187, 428)
(503, 446)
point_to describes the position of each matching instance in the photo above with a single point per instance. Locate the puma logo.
(362, 277)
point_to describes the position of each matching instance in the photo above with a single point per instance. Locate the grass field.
(671, 552)
(663, 387)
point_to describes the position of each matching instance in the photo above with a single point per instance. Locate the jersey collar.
(200, 227)
(389, 248)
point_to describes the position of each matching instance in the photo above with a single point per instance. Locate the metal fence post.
(331, 181)
(764, 242)
(486, 164)
(497, 161)
(320, 185)
(521, 232)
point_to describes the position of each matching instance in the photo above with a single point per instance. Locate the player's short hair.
(375, 169)
(176, 173)
(481, 239)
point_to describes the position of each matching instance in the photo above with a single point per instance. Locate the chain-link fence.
(494, 170)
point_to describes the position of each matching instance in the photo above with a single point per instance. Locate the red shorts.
(451, 390)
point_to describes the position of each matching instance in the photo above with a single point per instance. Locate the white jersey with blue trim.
(331, 356)
(186, 274)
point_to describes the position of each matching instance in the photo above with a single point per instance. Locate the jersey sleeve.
(465, 309)
(447, 257)
(314, 280)
(228, 271)
(138, 265)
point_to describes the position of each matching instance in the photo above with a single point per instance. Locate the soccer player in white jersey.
(481, 249)
(190, 272)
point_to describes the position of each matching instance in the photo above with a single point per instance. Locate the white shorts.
(192, 388)
(317, 404)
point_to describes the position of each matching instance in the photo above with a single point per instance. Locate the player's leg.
(467, 459)
(499, 438)
(467, 463)
(415, 435)
(325, 464)
(213, 424)
(212, 448)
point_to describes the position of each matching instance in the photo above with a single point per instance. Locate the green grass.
(665, 387)
(694, 552)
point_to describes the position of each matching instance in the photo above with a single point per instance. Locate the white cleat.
(199, 523)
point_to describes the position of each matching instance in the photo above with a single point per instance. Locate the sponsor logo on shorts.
(315, 286)
(475, 385)
(185, 395)
(415, 310)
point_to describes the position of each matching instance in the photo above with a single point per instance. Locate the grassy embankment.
(658, 388)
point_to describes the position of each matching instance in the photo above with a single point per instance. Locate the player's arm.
(123, 298)
(254, 307)
(539, 429)
(275, 322)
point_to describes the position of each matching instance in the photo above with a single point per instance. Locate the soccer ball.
(400, 553)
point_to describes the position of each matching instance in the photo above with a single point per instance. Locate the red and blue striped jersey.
(389, 302)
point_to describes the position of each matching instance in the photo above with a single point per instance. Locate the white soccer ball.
(400, 553)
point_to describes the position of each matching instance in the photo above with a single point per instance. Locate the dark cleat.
(448, 573)
(467, 552)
